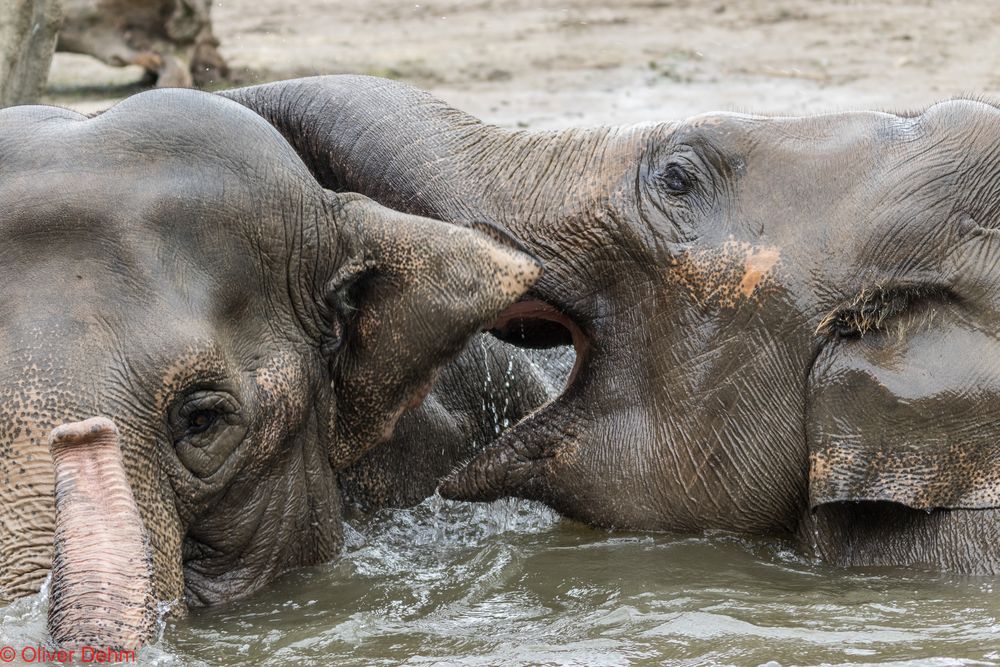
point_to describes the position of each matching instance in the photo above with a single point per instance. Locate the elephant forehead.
(169, 188)
(967, 132)
(148, 136)
(849, 193)
(741, 134)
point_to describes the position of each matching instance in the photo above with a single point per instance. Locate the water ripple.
(509, 583)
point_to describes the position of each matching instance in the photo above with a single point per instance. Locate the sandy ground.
(552, 63)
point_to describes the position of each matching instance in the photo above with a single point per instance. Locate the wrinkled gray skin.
(241, 336)
(784, 326)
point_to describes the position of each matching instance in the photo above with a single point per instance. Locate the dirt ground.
(553, 63)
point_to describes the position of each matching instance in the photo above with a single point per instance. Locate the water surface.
(510, 583)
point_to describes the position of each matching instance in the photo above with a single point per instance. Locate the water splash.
(507, 380)
(511, 583)
(489, 404)
(23, 622)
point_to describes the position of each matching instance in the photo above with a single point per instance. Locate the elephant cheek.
(101, 593)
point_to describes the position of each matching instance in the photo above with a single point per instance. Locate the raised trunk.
(102, 591)
(390, 142)
(412, 152)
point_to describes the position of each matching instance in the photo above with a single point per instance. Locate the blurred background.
(549, 63)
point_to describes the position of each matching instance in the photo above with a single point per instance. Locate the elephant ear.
(908, 418)
(418, 290)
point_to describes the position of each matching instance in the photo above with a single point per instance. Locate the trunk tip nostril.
(83, 431)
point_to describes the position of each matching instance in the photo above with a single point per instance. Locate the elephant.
(196, 340)
(171, 40)
(783, 326)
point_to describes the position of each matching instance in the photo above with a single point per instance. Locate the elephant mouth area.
(517, 462)
(535, 323)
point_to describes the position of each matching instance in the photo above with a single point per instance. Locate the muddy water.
(510, 583)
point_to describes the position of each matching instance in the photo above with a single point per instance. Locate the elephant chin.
(102, 586)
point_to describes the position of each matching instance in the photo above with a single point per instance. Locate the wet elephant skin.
(170, 266)
(777, 319)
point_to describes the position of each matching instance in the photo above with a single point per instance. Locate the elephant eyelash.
(873, 310)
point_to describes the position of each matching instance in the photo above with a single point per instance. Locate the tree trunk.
(28, 30)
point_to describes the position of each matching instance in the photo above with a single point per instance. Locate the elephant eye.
(201, 420)
(674, 179)
(206, 424)
(199, 413)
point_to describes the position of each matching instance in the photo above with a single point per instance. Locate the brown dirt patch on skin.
(553, 63)
(756, 267)
(724, 276)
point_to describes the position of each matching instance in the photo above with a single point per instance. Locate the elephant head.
(782, 325)
(205, 337)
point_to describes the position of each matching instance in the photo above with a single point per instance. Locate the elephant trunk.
(412, 152)
(102, 588)
(390, 142)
